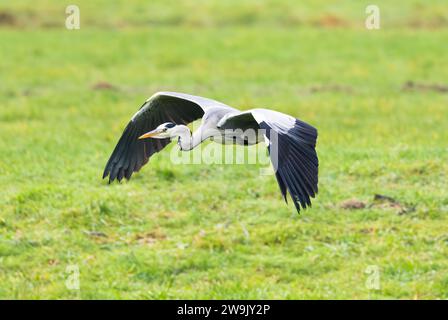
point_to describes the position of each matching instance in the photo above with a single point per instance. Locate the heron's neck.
(188, 141)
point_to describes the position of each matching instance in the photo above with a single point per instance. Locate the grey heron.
(164, 116)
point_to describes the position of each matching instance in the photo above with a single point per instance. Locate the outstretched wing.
(130, 153)
(291, 144)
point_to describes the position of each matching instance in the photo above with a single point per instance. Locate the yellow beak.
(149, 134)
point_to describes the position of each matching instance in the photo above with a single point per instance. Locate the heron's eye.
(164, 129)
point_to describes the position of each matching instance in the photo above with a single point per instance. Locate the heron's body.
(291, 142)
(210, 129)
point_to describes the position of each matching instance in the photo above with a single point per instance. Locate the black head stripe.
(169, 125)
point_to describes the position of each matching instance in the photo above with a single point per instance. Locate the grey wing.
(291, 145)
(130, 153)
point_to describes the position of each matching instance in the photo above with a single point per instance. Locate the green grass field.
(378, 98)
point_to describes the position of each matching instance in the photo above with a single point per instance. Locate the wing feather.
(130, 154)
(295, 162)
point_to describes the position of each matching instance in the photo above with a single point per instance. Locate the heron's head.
(164, 131)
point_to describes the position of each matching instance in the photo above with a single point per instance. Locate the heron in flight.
(291, 142)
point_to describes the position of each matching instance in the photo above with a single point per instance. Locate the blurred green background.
(378, 97)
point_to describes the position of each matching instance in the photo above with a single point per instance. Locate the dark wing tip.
(297, 170)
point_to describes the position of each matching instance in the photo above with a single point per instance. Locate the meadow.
(379, 99)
